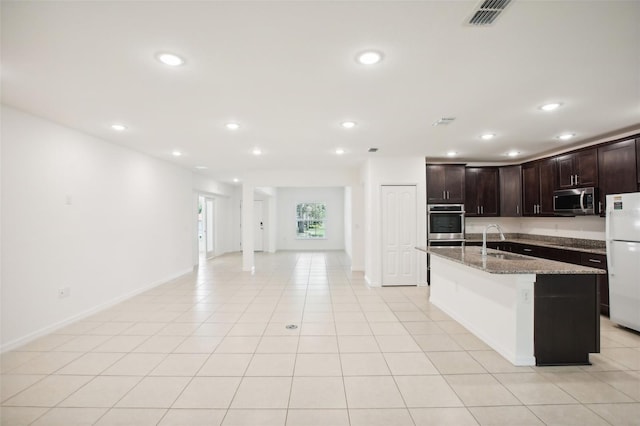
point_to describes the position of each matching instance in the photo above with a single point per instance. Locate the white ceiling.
(287, 72)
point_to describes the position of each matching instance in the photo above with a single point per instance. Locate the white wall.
(357, 227)
(585, 227)
(392, 171)
(82, 213)
(288, 198)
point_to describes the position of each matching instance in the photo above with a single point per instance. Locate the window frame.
(297, 220)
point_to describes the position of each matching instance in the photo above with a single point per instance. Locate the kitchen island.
(532, 311)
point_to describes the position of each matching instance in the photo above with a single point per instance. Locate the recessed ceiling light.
(236, 180)
(339, 151)
(513, 153)
(256, 151)
(176, 153)
(119, 127)
(232, 126)
(170, 59)
(550, 106)
(201, 167)
(566, 136)
(369, 57)
(348, 124)
(488, 136)
(451, 154)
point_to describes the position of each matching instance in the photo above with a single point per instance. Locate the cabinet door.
(435, 183)
(510, 191)
(530, 188)
(638, 160)
(586, 166)
(489, 198)
(471, 205)
(547, 185)
(599, 261)
(566, 171)
(577, 169)
(481, 191)
(454, 183)
(617, 169)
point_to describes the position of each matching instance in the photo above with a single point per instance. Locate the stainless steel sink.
(506, 256)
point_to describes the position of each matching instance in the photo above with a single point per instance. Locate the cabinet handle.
(517, 208)
(599, 207)
(595, 260)
(571, 180)
(444, 195)
(448, 195)
(527, 250)
(482, 209)
(576, 179)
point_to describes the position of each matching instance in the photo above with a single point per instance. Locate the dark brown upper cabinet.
(638, 160)
(482, 191)
(617, 166)
(578, 169)
(538, 184)
(510, 178)
(445, 183)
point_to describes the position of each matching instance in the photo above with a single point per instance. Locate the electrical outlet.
(64, 292)
(525, 294)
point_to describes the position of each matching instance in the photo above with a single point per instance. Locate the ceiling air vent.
(444, 121)
(373, 149)
(488, 11)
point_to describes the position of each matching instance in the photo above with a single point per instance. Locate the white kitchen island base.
(497, 308)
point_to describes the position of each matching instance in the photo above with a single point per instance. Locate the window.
(311, 219)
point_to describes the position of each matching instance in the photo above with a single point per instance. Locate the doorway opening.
(206, 228)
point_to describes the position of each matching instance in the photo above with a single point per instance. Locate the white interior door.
(258, 230)
(209, 227)
(399, 227)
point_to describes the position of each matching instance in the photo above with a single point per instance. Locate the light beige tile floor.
(212, 348)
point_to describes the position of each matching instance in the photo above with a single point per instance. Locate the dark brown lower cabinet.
(566, 319)
(593, 260)
(599, 261)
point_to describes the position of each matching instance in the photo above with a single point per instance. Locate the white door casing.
(209, 221)
(399, 228)
(258, 233)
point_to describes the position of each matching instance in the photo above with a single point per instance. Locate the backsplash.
(582, 227)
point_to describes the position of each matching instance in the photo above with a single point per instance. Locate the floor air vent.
(488, 11)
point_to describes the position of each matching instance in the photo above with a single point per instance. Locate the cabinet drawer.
(594, 260)
(526, 249)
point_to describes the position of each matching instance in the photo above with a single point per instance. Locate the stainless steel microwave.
(579, 201)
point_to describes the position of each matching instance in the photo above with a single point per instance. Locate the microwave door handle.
(582, 202)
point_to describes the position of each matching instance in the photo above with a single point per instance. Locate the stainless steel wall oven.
(445, 222)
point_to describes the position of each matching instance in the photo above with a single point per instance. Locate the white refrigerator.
(623, 258)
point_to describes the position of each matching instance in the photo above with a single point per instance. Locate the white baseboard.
(16, 343)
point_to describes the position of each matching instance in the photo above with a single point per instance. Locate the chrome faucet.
(484, 236)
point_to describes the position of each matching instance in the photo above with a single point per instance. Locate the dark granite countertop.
(499, 262)
(576, 244)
